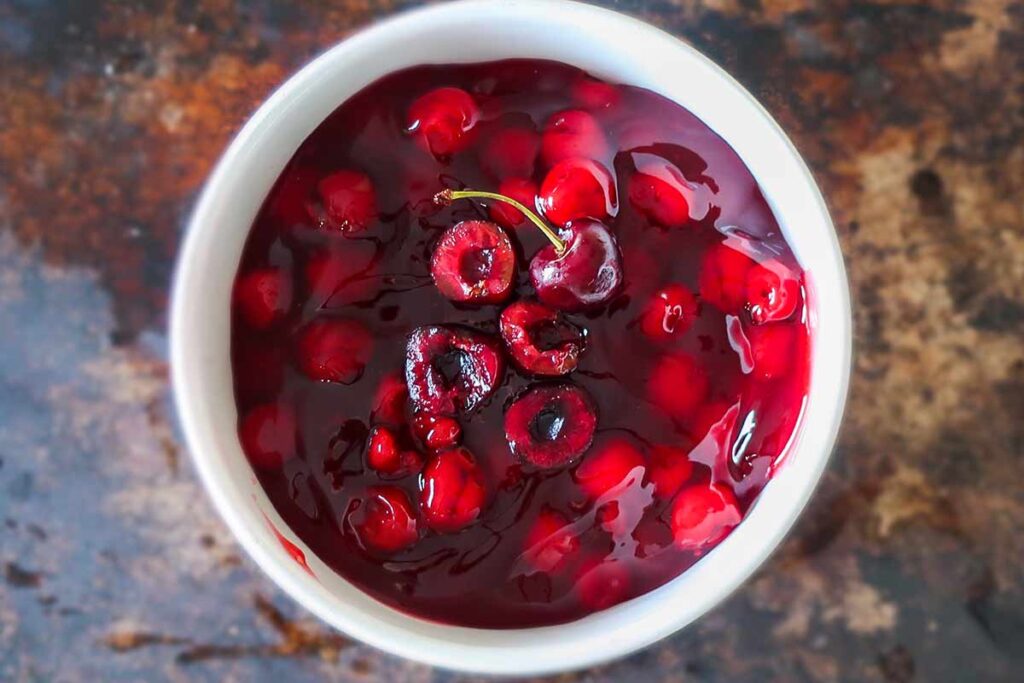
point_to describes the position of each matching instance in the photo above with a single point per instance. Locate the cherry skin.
(577, 188)
(339, 276)
(670, 468)
(593, 94)
(550, 425)
(540, 340)
(723, 278)
(609, 467)
(263, 297)
(390, 400)
(550, 543)
(586, 275)
(702, 515)
(772, 292)
(348, 202)
(437, 432)
(450, 369)
(601, 585)
(773, 348)
(572, 133)
(384, 454)
(665, 202)
(510, 153)
(678, 385)
(384, 520)
(268, 435)
(443, 121)
(474, 263)
(334, 350)
(524, 191)
(670, 312)
(452, 491)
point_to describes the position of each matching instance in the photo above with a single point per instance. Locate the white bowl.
(608, 45)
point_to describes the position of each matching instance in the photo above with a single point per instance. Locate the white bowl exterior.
(606, 44)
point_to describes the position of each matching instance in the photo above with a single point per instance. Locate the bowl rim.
(609, 634)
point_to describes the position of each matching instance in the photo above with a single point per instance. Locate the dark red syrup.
(691, 378)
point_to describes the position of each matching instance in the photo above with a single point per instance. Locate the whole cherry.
(524, 191)
(437, 432)
(443, 121)
(669, 313)
(334, 350)
(659, 191)
(772, 292)
(474, 263)
(609, 468)
(263, 296)
(601, 584)
(678, 385)
(702, 515)
(268, 435)
(723, 277)
(384, 453)
(384, 520)
(540, 340)
(452, 491)
(347, 202)
(572, 133)
(577, 188)
(773, 348)
(510, 152)
(550, 543)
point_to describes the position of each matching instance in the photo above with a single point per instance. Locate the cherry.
(772, 292)
(702, 515)
(577, 188)
(550, 543)
(338, 277)
(572, 133)
(664, 197)
(390, 399)
(510, 152)
(334, 350)
(347, 202)
(452, 491)
(706, 417)
(772, 348)
(539, 340)
(617, 464)
(437, 432)
(384, 454)
(723, 277)
(677, 385)
(585, 275)
(670, 312)
(268, 435)
(524, 191)
(550, 425)
(594, 94)
(289, 200)
(443, 121)
(474, 262)
(602, 584)
(384, 520)
(670, 468)
(263, 297)
(580, 269)
(448, 369)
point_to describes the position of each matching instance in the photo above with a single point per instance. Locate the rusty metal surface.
(909, 563)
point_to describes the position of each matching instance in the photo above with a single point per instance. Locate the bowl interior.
(608, 45)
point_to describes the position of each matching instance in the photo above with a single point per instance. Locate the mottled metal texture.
(909, 563)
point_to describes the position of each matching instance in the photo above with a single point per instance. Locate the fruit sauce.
(672, 398)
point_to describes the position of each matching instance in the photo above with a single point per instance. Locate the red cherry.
(268, 435)
(550, 425)
(723, 276)
(347, 203)
(523, 191)
(510, 152)
(550, 542)
(452, 491)
(572, 133)
(443, 121)
(390, 400)
(448, 369)
(594, 94)
(670, 312)
(587, 274)
(577, 188)
(263, 297)
(702, 515)
(384, 520)
(539, 340)
(384, 454)
(437, 432)
(670, 468)
(706, 417)
(614, 465)
(773, 348)
(474, 262)
(664, 197)
(340, 276)
(677, 385)
(334, 350)
(772, 292)
(602, 584)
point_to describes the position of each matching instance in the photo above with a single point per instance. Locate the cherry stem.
(446, 197)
